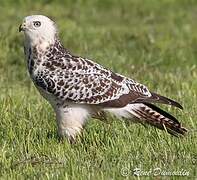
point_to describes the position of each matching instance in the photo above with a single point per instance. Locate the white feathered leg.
(70, 120)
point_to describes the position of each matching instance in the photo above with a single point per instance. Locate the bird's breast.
(35, 59)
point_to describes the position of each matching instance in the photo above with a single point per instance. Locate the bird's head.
(38, 28)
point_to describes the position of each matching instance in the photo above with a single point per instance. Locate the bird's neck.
(42, 46)
(39, 45)
(36, 39)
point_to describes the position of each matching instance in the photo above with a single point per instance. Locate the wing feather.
(83, 81)
(72, 78)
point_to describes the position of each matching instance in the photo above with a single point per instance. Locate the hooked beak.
(21, 27)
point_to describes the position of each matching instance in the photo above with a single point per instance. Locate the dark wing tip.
(166, 100)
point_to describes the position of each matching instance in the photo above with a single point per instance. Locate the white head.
(38, 28)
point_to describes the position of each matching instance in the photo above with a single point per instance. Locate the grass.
(154, 42)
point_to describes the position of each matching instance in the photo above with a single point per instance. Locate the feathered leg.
(70, 120)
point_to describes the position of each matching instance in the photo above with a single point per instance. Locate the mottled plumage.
(79, 88)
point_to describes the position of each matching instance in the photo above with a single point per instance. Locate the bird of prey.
(78, 88)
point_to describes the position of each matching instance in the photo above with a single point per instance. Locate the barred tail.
(151, 114)
(146, 113)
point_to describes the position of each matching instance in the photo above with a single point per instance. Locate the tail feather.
(153, 115)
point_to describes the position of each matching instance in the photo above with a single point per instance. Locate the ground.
(154, 42)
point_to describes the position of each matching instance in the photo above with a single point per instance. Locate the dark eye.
(37, 23)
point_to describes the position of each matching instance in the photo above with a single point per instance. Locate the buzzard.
(78, 88)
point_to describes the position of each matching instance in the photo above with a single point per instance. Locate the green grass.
(154, 42)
